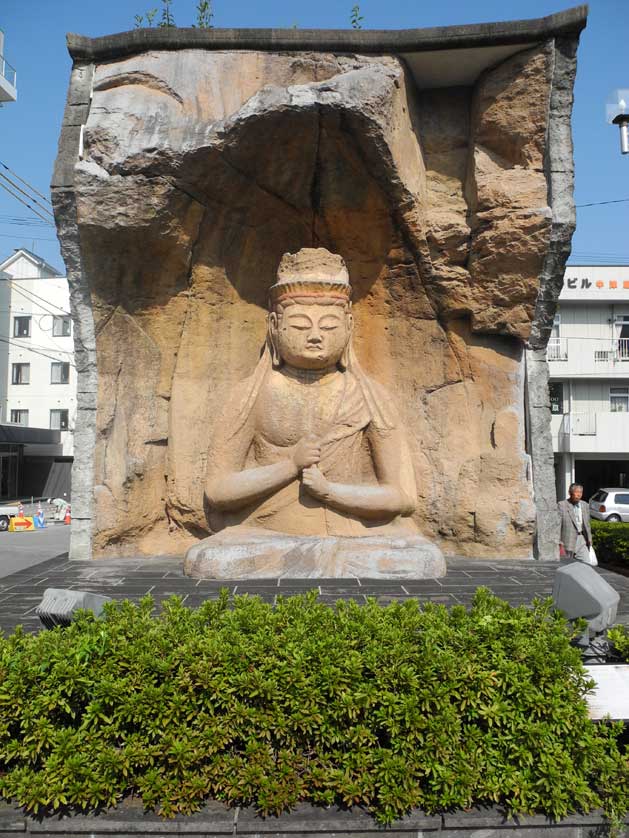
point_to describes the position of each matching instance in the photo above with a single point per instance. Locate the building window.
(19, 417)
(20, 374)
(61, 326)
(59, 372)
(619, 399)
(557, 349)
(622, 332)
(59, 420)
(21, 327)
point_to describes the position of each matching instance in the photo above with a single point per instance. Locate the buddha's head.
(310, 320)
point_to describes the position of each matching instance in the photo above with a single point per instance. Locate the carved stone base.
(251, 554)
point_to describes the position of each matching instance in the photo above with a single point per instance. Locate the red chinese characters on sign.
(583, 283)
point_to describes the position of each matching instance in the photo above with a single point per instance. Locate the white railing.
(7, 71)
(616, 350)
(589, 356)
(557, 349)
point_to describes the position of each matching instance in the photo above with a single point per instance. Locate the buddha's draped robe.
(353, 417)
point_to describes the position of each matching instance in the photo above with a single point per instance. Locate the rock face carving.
(201, 165)
(310, 446)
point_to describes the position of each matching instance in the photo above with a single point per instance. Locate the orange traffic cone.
(68, 516)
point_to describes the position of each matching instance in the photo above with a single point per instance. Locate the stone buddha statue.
(309, 472)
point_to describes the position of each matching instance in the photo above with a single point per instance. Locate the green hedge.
(386, 707)
(619, 636)
(611, 541)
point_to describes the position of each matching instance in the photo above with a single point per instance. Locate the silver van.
(610, 505)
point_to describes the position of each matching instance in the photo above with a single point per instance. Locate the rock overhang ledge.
(427, 51)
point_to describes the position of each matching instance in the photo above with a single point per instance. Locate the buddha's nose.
(314, 337)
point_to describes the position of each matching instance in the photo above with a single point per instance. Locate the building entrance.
(595, 474)
(9, 471)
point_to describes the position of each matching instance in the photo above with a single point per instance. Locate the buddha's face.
(312, 336)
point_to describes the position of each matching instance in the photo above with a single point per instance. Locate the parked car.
(6, 513)
(610, 505)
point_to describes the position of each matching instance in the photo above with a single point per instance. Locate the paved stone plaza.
(519, 582)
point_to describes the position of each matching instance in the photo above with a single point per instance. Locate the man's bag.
(592, 560)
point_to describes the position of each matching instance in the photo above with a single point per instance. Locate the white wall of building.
(588, 359)
(29, 288)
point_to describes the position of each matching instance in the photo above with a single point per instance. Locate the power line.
(25, 236)
(37, 351)
(602, 203)
(30, 197)
(17, 197)
(35, 297)
(21, 221)
(32, 188)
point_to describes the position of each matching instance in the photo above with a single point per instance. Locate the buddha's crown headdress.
(310, 273)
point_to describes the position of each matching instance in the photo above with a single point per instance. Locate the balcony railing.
(589, 356)
(7, 71)
(557, 349)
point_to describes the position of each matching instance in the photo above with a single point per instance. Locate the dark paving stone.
(424, 586)
(518, 582)
(305, 819)
(302, 584)
(129, 818)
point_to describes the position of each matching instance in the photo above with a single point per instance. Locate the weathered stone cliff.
(186, 169)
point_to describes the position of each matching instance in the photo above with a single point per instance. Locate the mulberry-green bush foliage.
(611, 541)
(387, 707)
(619, 637)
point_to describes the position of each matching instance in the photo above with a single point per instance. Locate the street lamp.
(617, 110)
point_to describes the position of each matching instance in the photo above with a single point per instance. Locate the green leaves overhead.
(389, 708)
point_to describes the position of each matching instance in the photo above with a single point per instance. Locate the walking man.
(576, 532)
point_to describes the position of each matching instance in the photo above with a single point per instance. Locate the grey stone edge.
(64, 205)
(216, 819)
(568, 22)
(559, 170)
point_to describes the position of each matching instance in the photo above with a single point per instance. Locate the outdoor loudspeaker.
(579, 591)
(59, 605)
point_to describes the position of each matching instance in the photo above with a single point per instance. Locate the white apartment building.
(588, 359)
(37, 378)
(8, 76)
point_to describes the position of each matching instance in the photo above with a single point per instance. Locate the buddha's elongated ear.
(272, 326)
(349, 320)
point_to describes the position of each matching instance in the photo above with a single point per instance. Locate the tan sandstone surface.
(200, 169)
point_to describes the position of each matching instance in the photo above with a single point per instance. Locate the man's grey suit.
(569, 531)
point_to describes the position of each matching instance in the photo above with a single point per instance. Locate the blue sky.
(35, 45)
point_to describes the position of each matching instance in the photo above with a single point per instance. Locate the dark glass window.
(624, 499)
(21, 327)
(59, 420)
(61, 326)
(59, 372)
(19, 417)
(21, 374)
